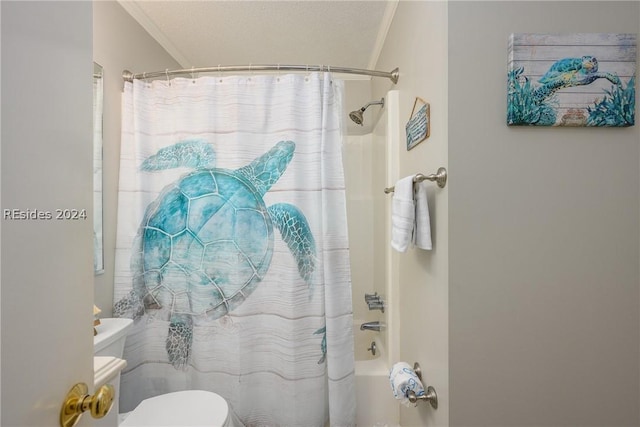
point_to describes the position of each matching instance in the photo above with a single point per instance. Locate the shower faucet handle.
(374, 301)
(376, 305)
(371, 297)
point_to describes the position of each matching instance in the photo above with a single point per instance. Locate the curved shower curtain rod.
(391, 75)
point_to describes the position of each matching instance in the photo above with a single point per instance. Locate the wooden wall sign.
(417, 127)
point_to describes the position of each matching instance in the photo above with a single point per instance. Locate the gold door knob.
(79, 401)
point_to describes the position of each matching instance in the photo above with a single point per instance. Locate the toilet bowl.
(183, 408)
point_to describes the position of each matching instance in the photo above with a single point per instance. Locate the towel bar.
(439, 177)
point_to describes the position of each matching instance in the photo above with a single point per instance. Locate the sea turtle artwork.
(206, 242)
(570, 72)
(592, 83)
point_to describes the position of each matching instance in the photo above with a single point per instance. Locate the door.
(46, 195)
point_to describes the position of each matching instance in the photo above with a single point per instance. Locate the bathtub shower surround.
(370, 165)
(232, 253)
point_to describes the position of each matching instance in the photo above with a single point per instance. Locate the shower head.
(357, 115)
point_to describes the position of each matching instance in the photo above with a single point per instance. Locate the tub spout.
(372, 326)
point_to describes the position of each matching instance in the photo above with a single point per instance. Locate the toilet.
(183, 408)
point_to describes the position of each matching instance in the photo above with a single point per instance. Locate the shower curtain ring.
(166, 72)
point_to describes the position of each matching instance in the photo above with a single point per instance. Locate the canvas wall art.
(584, 79)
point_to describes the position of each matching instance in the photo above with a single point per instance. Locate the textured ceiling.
(208, 33)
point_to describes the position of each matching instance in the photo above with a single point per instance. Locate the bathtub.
(376, 405)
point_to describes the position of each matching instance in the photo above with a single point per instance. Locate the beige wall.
(543, 261)
(417, 44)
(529, 301)
(119, 43)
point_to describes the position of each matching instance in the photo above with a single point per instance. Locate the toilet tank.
(112, 333)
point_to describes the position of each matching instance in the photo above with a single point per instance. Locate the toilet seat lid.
(183, 408)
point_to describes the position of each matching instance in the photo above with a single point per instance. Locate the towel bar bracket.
(439, 178)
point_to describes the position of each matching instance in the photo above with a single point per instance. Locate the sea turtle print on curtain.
(232, 250)
(206, 242)
(571, 79)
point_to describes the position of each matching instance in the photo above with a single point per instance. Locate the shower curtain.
(232, 252)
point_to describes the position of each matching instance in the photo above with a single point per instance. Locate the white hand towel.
(403, 379)
(422, 232)
(403, 214)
